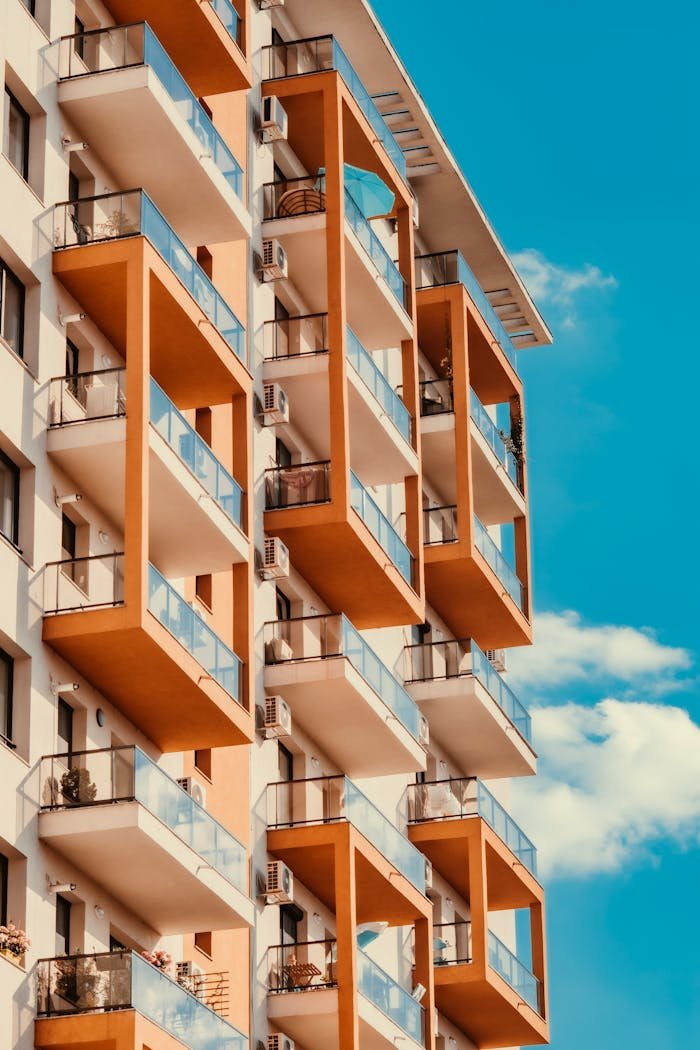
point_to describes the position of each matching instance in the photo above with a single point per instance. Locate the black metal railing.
(305, 966)
(289, 197)
(439, 525)
(452, 943)
(297, 485)
(436, 397)
(299, 336)
(87, 396)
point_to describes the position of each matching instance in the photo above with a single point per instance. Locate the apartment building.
(263, 545)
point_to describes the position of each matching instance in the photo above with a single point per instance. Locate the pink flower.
(161, 959)
(13, 939)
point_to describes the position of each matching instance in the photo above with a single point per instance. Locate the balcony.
(494, 603)
(93, 237)
(190, 491)
(318, 54)
(497, 474)
(472, 711)
(381, 528)
(160, 664)
(104, 999)
(444, 268)
(206, 41)
(118, 817)
(343, 696)
(122, 92)
(463, 798)
(296, 356)
(387, 1013)
(294, 211)
(500, 1004)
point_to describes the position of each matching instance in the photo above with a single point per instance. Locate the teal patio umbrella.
(370, 193)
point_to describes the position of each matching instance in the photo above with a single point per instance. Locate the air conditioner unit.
(275, 560)
(278, 717)
(190, 976)
(265, 4)
(274, 260)
(279, 885)
(273, 120)
(428, 874)
(497, 658)
(275, 404)
(278, 1041)
(424, 732)
(194, 788)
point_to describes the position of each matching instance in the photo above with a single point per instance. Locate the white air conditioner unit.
(275, 404)
(278, 717)
(497, 658)
(278, 1041)
(275, 561)
(273, 120)
(428, 874)
(266, 4)
(274, 260)
(279, 885)
(424, 731)
(190, 976)
(194, 788)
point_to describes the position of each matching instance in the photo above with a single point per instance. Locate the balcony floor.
(145, 865)
(114, 1030)
(333, 704)
(128, 116)
(311, 1018)
(92, 454)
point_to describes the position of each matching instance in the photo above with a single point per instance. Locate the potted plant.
(161, 959)
(13, 942)
(77, 788)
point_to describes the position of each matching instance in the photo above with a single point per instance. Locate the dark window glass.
(281, 311)
(202, 761)
(277, 37)
(68, 534)
(4, 871)
(72, 358)
(290, 917)
(63, 909)
(11, 309)
(65, 728)
(30, 6)
(9, 499)
(7, 666)
(73, 186)
(115, 945)
(283, 455)
(283, 606)
(285, 763)
(79, 40)
(15, 144)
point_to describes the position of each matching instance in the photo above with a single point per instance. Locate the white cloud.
(567, 650)
(549, 283)
(615, 780)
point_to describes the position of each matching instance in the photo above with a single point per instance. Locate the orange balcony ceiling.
(152, 679)
(116, 1030)
(189, 357)
(196, 40)
(344, 563)
(486, 1008)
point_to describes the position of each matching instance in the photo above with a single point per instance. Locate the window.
(203, 942)
(202, 762)
(285, 763)
(65, 728)
(4, 871)
(73, 186)
(68, 537)
(203, 590)
(290, 917)
(283, 606)
(11, 309)
(9, 499)
(63, 910)
(15, 141)
(115, 945)
(30, 5)
(79, 44)
(7, 667)
(283, 455)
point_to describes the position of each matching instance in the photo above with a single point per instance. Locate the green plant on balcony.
(77, 788)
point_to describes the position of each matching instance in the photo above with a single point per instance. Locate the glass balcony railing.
(451, 268)
(112, 216)
(452, 943)
(323, 800)
(302, 966)
(381, 528)
(395, 1002)
(295, 337)
(87, 396)
(375, 381)
(383, 263)
(434, 661)
(506, 573)
(321, 637)
(120, 47)
(469, 797)
(514, 973)
(495, 438)
(297, 485)
(123, 980)
(125, 774)
(436, 397)
(190, 630)
(316, 54)
(228, 16)
(195, 454)
(75, 584)
(439, 526)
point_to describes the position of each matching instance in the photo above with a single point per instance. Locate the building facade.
(263, 545)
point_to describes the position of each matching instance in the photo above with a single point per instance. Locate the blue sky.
(577, 128)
